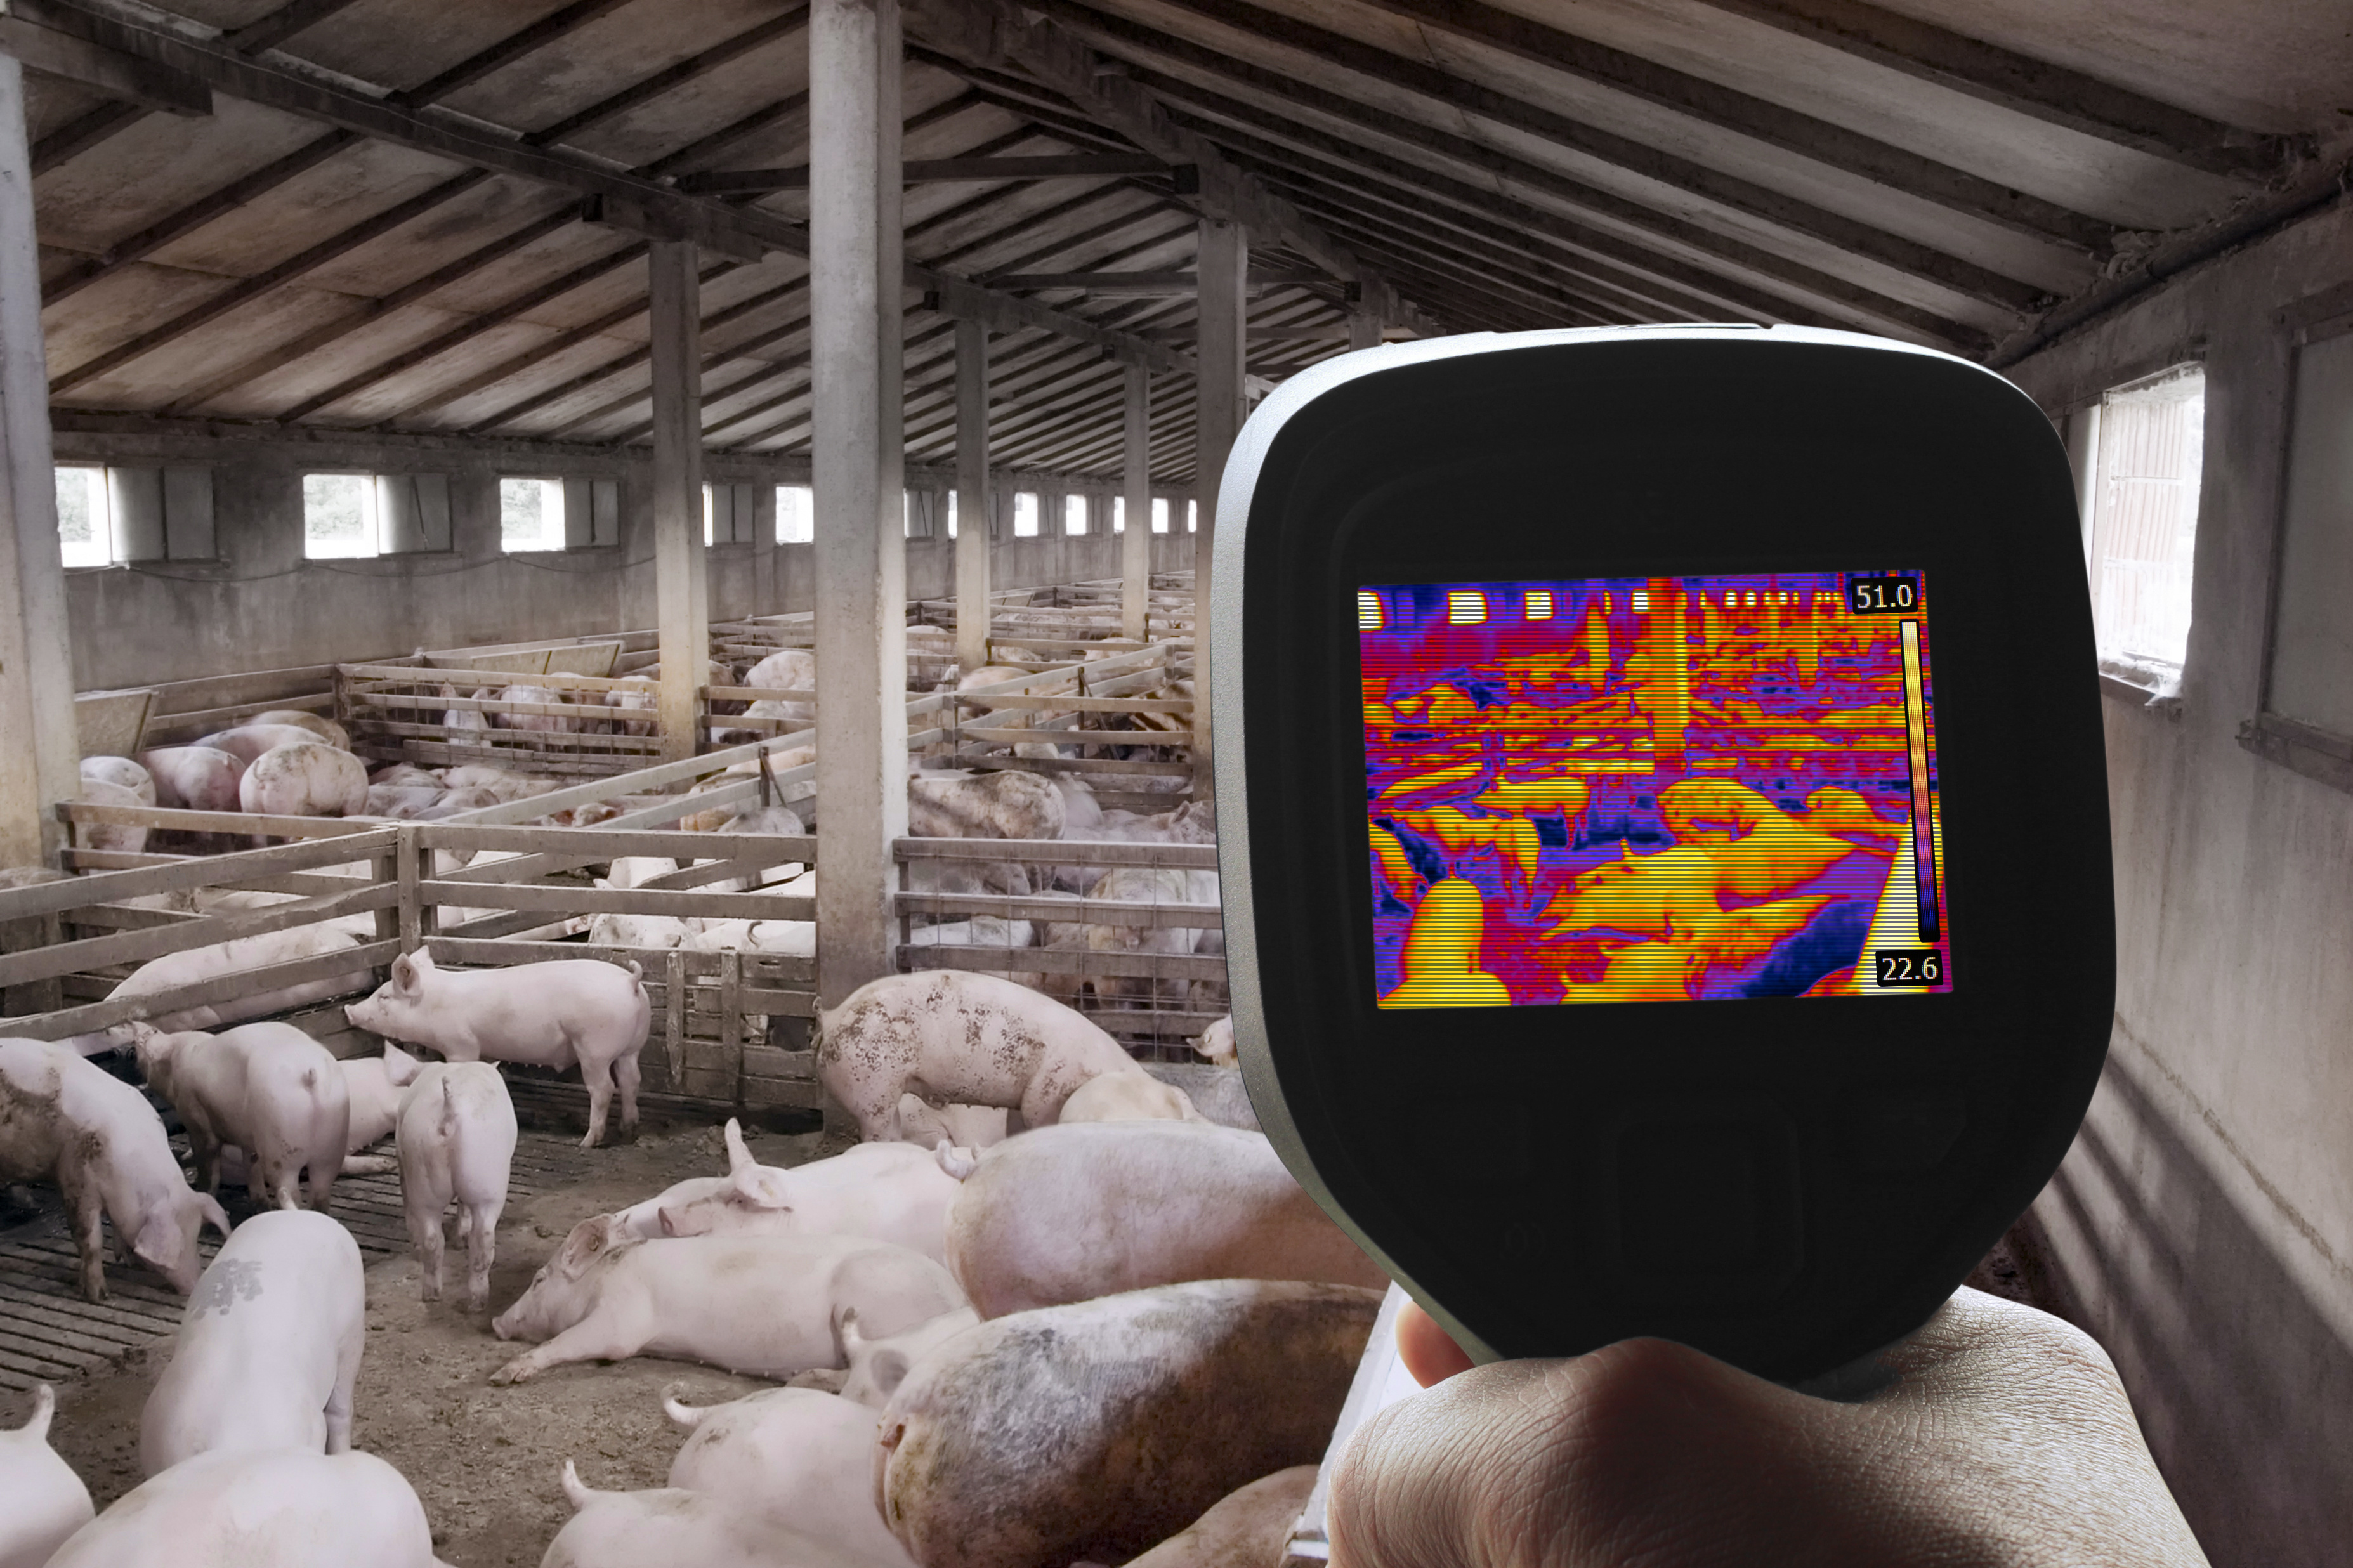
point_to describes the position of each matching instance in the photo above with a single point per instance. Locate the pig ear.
(209, 1210)
(739, 1158)
(404, 975)
(759, 1187)
(159, 1241)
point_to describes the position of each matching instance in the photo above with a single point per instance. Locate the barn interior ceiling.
(431, 216)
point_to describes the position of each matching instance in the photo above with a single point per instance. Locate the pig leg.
(205, 1150)
(600, 1336)
(84, 1208)
(323, 1173)
(481, 1247)
(624, 1073)
(425, 1237)
(598, 1076)
(339, 1403)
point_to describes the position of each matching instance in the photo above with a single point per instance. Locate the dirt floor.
(486, 1461)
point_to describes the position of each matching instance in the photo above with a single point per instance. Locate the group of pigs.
(1123, 1330)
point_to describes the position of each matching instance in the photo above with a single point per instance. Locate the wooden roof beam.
(939, 171)
(558, 24)
(988, 31)
(2022, 84)
(794, 19)
(125, 78)
(269, 31)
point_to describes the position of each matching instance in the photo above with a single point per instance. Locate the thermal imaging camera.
(1664, 825)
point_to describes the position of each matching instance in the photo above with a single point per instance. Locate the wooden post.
(972, 495)
(1223, 265)
(1363, 328)
(41, 763)
(1136, 542)
(682, 586)
(1670, 678)
(674, 991)
(857, 464)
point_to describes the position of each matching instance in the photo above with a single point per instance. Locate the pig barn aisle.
(485, 1461)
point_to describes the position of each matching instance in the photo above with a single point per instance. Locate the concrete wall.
(261, 606)
(2203, 1226)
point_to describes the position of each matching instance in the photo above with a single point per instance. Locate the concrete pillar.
(857, 469)
(1363, 328)
(972, 495)
(40, 763)
(681, 580)
(1135, 483)
(1669, 678)
(1223, 266)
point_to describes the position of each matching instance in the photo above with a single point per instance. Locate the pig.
(1186, 1202)
(457, 1137)
(270, 1088)
(882, 1192)
(269, 1348)
(877, 1367)
(47, 1502)
(950, 1035)
(1217, 1044)
(541, 723)
(638, 699)
(668, 1525)
(768, 1306)
(405, 775)
(930, 1126)
(403, 802)
(174, 970)
(1217, 1093)
(123, 773)
(309, 778)
(1129, 1097)
(1248, 1528)
(660, 932)
(957, 804)
(635, 870)
(787, 669)
(283, 1509)
(65, 1118)
(118, 837)
(326, 729)
(794, 1456)
(194, 778)
(1096, 1431)
(373, 1086)
(248, 742)
(549, 1015)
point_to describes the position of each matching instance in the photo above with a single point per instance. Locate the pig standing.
(284, 1509)
(248, 742)
(667, 1525)
(305, 778)
(63, 1118)
(1035, 1222)
(194, 778)
(948, 1035)
(47, 1502)
(768, 1306)
(552, 1015)
(268, 1089)
(883, 1191)
(1097, 1431)
(457, 1134)
(269, 1348)
(374, 1085)
(792, 1456)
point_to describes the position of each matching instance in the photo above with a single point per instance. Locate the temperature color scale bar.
(1923, 823)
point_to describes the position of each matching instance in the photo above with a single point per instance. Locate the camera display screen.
(1652, 789)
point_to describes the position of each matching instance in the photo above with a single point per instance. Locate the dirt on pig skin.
(485, 1461)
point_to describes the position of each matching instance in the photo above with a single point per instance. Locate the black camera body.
(1562, 676)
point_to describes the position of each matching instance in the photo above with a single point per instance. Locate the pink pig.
(552, 1014)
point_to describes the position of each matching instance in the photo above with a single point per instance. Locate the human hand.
(2003, 1439)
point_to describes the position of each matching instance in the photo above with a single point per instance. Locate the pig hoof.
(513, 1371)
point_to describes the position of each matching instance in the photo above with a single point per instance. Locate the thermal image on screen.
(1652, 789)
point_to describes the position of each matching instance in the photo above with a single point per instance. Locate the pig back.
(1084, 1209)
(1097, 1430)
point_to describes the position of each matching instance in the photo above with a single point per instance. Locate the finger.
(1429, 1353)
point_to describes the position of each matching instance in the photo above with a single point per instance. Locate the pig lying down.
(456, 1132)
(768, 1306)
(269, 1347)
(946, 1034)
(286, 1509)
(1096, 1431)
(268, 1089)
(47, 1501)
(65, 1120)
(690, 1529)
(881, 1192)
(569, 1011)
(793, 1457)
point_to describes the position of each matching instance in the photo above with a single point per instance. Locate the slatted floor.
(48, 1333)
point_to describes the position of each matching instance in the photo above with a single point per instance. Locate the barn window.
(795, 514)
(531, 514)
(1641, 601)
(952, 514)
(1075, 521)
(1192, 517)
(1160, 514)
(1119, 514)
(110, 514)
(2152, 436)
(1466, 607)
(85, 528)
(339, 517)
(1368, 611)
(1537, 605)
(2307, 720)
(1024, 514)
